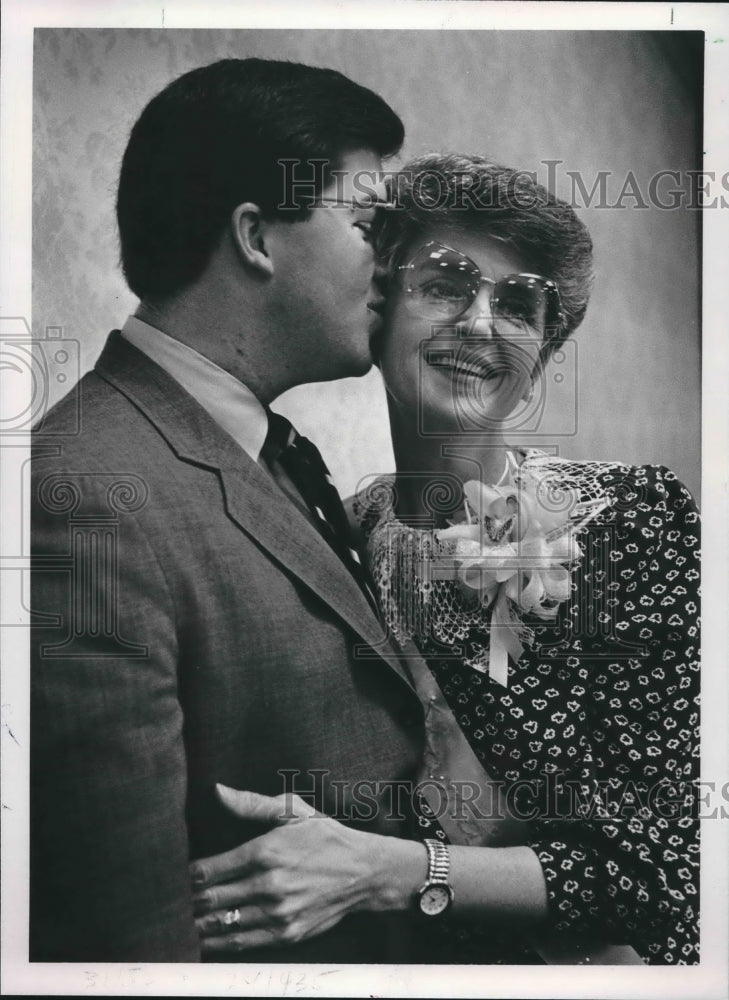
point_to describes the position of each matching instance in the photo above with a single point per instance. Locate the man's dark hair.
(474, 194)
(213, 139)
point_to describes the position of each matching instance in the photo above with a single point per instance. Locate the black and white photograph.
(364, 396)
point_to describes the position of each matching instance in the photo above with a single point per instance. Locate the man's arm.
(109, 848)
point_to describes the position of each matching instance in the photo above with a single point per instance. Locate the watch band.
(439, 861)
(435, 896)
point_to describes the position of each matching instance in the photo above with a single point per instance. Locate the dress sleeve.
(623, 855)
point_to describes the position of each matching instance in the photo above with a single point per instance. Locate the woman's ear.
(248, 231)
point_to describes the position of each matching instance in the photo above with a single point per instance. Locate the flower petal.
(556, 583)
(489, 501)
(532, 594)
(564, 548)
(473, 575)
(456, 531)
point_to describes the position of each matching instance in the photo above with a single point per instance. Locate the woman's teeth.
(481, 371)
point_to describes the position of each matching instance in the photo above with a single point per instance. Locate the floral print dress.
(596, 733)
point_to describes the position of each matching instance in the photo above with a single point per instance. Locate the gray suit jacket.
(190, 627)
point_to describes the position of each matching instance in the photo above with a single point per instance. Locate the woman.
(554, 601)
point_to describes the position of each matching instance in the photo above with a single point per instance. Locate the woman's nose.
(479, 317)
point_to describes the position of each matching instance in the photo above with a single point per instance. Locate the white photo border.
(708, 980)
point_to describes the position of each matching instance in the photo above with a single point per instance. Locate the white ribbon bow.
(514, 549)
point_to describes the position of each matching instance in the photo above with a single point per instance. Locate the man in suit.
(194, 623)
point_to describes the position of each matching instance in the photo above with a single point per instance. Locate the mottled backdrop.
(597, 101)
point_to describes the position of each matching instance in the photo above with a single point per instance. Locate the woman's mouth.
(483, 369)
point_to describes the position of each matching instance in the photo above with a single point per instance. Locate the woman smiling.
(554, 602)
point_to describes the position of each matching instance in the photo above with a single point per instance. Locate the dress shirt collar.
(230, 403)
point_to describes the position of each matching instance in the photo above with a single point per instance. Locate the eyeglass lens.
(443, 283)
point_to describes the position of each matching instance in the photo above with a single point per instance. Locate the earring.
(528, 396)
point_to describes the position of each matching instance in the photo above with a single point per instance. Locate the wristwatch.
(435, 896)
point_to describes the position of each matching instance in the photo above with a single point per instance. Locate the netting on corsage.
(595, 485)
(414, 604)
(469, 585)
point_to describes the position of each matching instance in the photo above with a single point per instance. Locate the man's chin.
(357, 368)
(340, 368)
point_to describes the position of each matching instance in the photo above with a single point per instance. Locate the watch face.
(435, 899)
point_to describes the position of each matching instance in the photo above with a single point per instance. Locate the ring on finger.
(232, 918)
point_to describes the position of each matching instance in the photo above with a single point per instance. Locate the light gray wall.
(594, 100)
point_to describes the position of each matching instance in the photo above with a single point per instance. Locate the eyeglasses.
(365, 202)
(442, 283)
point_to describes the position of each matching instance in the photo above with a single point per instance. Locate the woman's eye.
(515, 310)
(442, 290)
(365, 228)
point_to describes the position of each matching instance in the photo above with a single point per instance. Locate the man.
(195, 623)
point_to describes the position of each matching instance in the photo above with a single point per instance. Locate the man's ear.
(247, 229)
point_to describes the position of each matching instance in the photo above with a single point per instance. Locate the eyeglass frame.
(319, 201)
(548, 285)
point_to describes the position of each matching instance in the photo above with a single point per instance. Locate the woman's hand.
(299, 879)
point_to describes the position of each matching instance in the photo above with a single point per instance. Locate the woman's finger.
(264, 808)
(242, 893)
(246, 858)
(273, 935)
(243, 941)
(240, 861)
(230, 922)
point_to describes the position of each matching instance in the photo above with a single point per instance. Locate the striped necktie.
(301, 461)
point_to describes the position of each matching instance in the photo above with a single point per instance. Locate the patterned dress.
(596, 734)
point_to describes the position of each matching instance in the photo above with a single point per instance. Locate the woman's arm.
(302, 877)
(634, 876)
(624, 859)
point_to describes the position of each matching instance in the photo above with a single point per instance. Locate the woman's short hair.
(478, 196)
(216, 137)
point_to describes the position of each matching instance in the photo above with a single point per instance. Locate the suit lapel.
(260, 508)
(252, 499)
